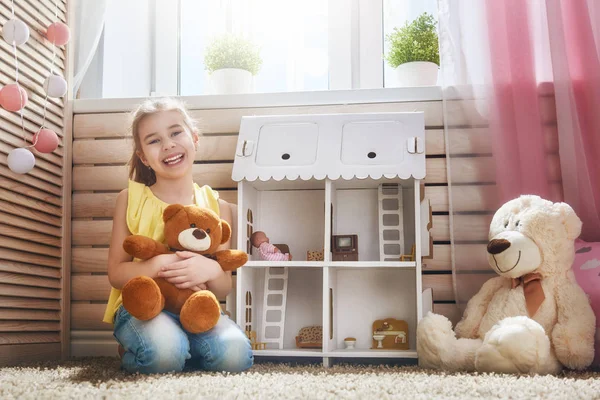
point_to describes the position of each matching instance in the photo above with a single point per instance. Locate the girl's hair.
(137, 170)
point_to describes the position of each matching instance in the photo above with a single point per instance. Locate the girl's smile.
(174, 160)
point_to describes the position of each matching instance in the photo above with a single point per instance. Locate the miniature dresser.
(343, 193)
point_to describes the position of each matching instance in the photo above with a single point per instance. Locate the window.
(292, 37)
(157, 47)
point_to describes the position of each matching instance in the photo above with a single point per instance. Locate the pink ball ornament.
(55, 86)
(46, 141)
(58, 33)
(16, 31)
(13, 97)
(20, 161)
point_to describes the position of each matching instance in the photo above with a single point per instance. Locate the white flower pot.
(417, 73)
(231, 81)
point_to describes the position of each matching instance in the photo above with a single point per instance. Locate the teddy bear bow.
(532, 289)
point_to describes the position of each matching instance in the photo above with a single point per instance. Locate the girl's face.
(167, 145)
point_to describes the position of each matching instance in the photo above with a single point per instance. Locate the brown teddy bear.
(189, 228)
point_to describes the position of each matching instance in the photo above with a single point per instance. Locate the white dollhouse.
(347, 186)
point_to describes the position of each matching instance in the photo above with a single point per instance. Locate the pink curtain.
(521, 81)
(523, 164)
(576, 68)
(516, 125)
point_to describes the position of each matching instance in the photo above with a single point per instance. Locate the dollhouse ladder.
(276, 282)
(391, 228)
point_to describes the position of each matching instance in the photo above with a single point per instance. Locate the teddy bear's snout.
(199, 234)
(497, 246)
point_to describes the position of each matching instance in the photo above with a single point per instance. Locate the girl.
(160, 174)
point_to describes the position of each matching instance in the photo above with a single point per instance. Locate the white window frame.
(355, 46)
(165, 56)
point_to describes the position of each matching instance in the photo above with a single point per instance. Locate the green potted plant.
(232, 61)
(414, 52)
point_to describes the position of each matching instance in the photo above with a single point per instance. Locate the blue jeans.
(161, 345)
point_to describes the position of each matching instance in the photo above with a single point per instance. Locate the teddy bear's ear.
(226, 231)
(570, 220)
(171, 211)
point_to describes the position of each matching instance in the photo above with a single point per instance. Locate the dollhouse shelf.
(341, 353)
(321, 264)
(289, 353)
(372, 353)
(372, 264)
(306, 181)
(292, 264)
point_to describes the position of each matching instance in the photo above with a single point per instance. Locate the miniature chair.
(254, 344)
(409, 257)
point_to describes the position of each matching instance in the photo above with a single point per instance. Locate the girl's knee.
(239, 357)
(236, 355)
(154, 346)
(155, 360)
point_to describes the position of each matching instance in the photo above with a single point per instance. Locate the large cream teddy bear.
(533, 318)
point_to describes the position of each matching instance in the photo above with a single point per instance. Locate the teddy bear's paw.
(133, 245)
(572, 351)
(434, 338)
(200, 312)
(516, 345)
(142, 298)
(230, 260)
(139, 247)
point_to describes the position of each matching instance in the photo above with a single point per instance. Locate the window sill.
(287, 99)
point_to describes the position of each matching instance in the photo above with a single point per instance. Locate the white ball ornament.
(20, 161)
(55, 86)
(15, 30)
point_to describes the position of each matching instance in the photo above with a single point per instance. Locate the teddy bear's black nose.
(497, 246)
(199, 234)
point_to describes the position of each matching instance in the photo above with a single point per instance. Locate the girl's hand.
(191, 270)
(161, 260)
(200, 287)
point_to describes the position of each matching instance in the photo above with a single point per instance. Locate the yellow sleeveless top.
(144, 217)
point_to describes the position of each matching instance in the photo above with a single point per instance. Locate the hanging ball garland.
(15, 31)
(13, 97)
(20, 161)
(58, 34)
(55, 86)
(46, 141)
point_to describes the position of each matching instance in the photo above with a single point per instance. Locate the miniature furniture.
(284, 248)
(350, 342)
(322, 182)
(390, 333)
(391, 225)
(310, 337)
(315, 255)
(409, 257)
(274, 305)
(253, 343)
(345, 248)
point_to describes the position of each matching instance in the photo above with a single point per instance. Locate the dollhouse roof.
(335, 146)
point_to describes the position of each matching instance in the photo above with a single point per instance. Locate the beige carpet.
(101, 378)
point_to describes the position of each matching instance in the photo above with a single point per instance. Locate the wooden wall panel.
(102, 147)
(29, 352)
(31, 205)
